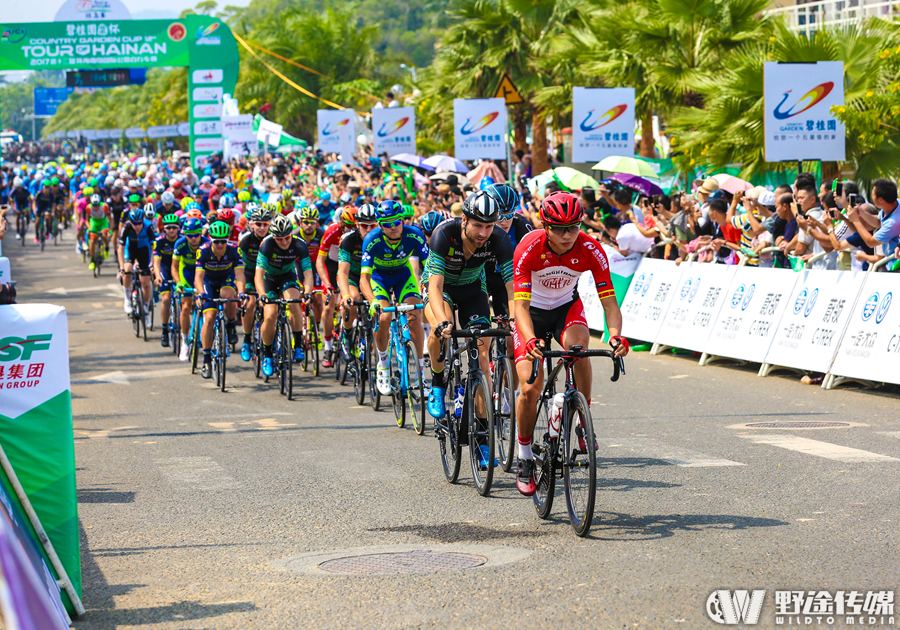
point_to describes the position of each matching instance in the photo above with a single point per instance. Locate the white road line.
(199, 473)
(675, 455)
(893, 434)
(820, 449)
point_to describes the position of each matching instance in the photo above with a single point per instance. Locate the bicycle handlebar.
(468, 333)
(353, 303)
(618, 363)
(402, 308)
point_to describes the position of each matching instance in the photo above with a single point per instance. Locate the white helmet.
(110, 180)
(17, 182)
(345, 198)
(150, 212)
(168, 198)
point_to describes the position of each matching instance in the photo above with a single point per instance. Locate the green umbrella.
(567, 178)
(626, 165)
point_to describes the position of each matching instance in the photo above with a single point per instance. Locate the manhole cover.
(797, 425)
(403, 562)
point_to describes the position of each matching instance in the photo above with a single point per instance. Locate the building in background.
(809, 17)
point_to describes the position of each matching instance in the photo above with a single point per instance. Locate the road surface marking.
(675, 455)
(198, 473)
(95, 434)
(820, 449)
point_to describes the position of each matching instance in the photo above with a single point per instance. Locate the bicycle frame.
(399, 336)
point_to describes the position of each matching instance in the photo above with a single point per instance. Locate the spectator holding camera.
(886, 238)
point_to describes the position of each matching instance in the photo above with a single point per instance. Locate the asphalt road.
(196, 504)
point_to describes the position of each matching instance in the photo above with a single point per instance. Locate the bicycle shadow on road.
(620, 527)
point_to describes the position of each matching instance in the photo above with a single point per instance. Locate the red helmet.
(561, 208)
(226, 215)
(176, 184)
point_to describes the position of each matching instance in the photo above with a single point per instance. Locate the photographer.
(886, 238)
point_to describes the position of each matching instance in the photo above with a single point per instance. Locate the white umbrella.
(447, 162)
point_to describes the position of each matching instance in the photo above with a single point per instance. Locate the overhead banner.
(621, 271)
(394, 130)
(799, 124)
(602, 123)
(871, 345)
(48, 100)
(36, 421)
(817, 311)
(134, 133)
(754, 304)
(647, 299)
(162, 131)
(79, 10)
(695, 306)
(334, 125)
(239, 128)
(480, 128)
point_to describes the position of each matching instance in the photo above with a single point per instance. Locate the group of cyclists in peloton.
(365, 253)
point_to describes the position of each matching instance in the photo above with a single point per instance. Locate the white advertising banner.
(89, 134)
(212, 128)
(207, 94)
(134, 133)
(394, 130)
(799, 124)
(332, 126)
(648, 298)
(162, 131)
(699, 296)
(871, 345)
(816, 314)
(754, 304)
(479, 128)
(238, 128)
(602, 123)
(269, 132)
(621, 268)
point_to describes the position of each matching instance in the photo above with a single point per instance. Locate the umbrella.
(486, 169)
(568, 177)
(626, 165)
(732, 184)
(333, 167)
(637, 183)
(420, 180)
(462, 180)
(412, 160)
(446, 162)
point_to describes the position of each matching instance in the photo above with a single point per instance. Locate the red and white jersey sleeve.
(331, 242)
(550, 280)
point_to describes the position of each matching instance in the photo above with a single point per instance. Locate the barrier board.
(621, 271)
(649, 297)
(698, 299)
(871, 344)
(816, 315)
(754, 304)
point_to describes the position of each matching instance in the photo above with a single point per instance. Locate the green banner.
(86, 45)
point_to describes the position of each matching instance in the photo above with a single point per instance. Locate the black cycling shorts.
(471, 303)
(331, 266)
(140, 255)
(275, 286)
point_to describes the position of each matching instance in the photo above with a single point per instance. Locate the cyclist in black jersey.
(43, 208)
(258, 223)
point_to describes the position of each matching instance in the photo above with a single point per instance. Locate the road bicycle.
(175, 318)
(469, 418)
(312, 340)
(256, 353)
(504, 390)
(282, 350)
(357, 350)
(568, 448)
(138, 321)
(220, 348)
(407, 388)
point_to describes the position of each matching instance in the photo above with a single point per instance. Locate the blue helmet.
(227, 201)
(325, 196)
(390, 210)
(136, 215)
(192, 227)
(430, 221)
(486, 182)
(505, 196)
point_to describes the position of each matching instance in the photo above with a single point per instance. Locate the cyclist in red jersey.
(326, 265)
(546, 268)
(226, 215)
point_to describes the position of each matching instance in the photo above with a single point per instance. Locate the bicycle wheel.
(359, 359)
(397, 402)
(337, 357)
(152, 313)
(314, 342)
(287, 358)
(194, 339)
(217, 335)
(372, 370)
(143, 319)
(504, 412)
(278, 358)
(39, 232)
(415, 394)
(447, 429)
(481, 432)
(256, 344)
(175, 330)
(545, 462)
(580, 465)
(306, 335)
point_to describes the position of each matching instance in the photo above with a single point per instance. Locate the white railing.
(813, 16)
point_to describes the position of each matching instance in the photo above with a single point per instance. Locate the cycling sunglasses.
(507, 217)
(565, 229)
(220, 241)
(193, 235)
(390, 224)
(170, 227)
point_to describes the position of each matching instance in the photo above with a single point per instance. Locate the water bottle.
(555, 417)
(458, 398)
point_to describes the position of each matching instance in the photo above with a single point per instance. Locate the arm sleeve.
(305, 261)
(368, 256)
(262, 258)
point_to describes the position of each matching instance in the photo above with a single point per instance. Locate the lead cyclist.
(546, 268)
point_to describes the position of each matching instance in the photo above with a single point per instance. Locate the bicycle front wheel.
(222, 352)
(372, 371)
(397, 402)
(505, 412)
(287, 360)
(415, 394)
(359, 350)
(544, 448)
(135, 312)
(314, 343)
(580, 465)
(481, 432)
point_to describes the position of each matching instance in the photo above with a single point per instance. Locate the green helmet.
(94, 181)
(45, 182)
(134, 198)
(55, 181)
(171, 219)
(219, 229)
(408, 211)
